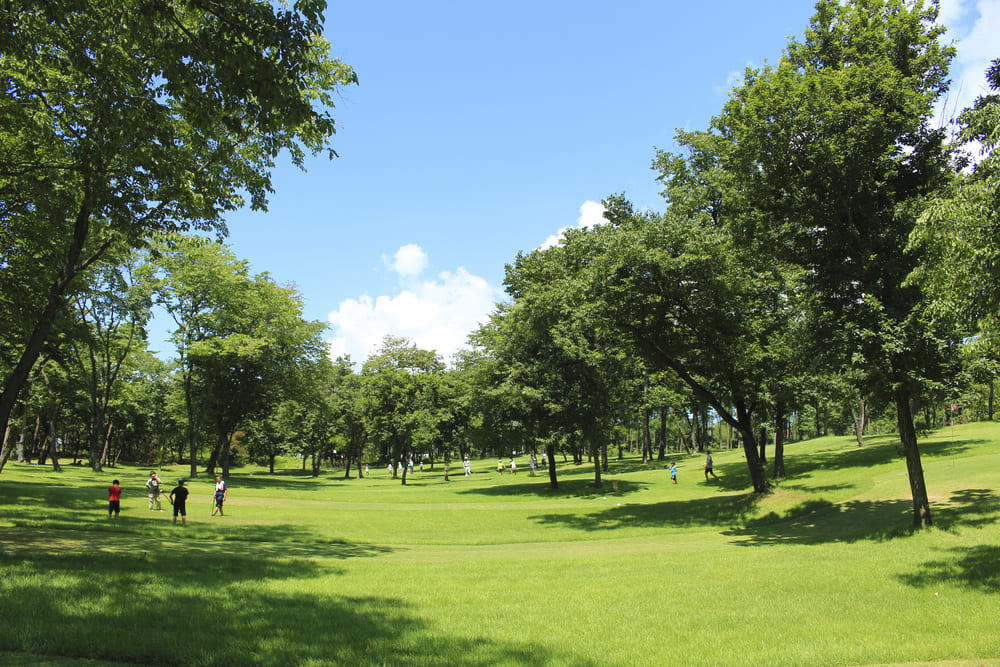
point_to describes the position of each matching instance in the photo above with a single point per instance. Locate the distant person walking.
(513, 466)
(114, 499)
(221, 493)
(500, 467)
(532, 465)
(673, 472)
(178, 498)
(153, 491)
(708, 466)
(468, 466)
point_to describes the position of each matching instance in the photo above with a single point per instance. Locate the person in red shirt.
(114, 499)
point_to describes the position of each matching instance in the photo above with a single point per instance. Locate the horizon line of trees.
(826, 258)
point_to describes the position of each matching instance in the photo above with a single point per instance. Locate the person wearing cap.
(178, 497)
(153, 490)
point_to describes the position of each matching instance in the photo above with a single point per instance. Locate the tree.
(688, 299)
(957, 232)
(111, 315)
(112, 130)
(834, 152)
(552, 343)
(398, 387)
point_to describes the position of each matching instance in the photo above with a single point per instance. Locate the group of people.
(178, 497)
(709, 468)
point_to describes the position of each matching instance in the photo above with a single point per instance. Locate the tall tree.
(111, 315)
(124, 118)
(398, 386)
(834, 152)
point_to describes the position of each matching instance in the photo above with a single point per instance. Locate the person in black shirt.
(178, 497)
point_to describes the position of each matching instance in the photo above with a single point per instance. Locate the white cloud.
(973, 25)
(435, 314)
(591, 215)
(409, 260)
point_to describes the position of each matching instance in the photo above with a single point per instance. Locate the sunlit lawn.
(485, 570)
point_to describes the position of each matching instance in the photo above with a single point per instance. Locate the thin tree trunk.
(550, 451)
(860, 415)
(5, 450)
(104, 449)
(908, 436)
(646, 451)
(779, 440)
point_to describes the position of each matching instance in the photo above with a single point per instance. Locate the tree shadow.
(711, 511)
(819, 521)
(878, 450)
(571, 488)
(973, 567)
(193, 606)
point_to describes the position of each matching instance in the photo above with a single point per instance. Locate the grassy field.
(484, 570)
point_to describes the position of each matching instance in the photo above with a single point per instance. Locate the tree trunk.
(908, 436)
(5, 450)
(662, 454)
(758, 476)
(55, 302)
(763, 445)
(646, 451)
(550, 451)
(989, 408)
(190, 420)
(779, 440)
(104, 449)
(860, 415)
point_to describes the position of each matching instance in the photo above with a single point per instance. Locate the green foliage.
(125, 119)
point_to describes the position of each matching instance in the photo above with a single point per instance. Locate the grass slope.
(484, 570)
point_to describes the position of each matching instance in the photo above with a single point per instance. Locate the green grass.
(493, 571)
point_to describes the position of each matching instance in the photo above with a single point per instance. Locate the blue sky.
(480, 130)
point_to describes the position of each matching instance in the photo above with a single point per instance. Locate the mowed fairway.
(485, 570)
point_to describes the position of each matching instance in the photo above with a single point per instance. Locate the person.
(468, 465)
(673, 471)
(114, 499)
(153, 490)
(178, 498)
(532, 465)
(500, 466)
(708, 466)
(513, 466)
(221, 493)
(366, 470)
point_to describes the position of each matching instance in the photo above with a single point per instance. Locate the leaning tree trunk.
(908, 436)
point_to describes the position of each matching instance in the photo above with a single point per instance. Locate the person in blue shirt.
(708, 466)
(673, 472)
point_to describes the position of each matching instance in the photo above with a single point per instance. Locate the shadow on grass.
(570, 488)
(219, 607)
(973, 567)
(711, 511)
(818, 521)
(879, 450)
